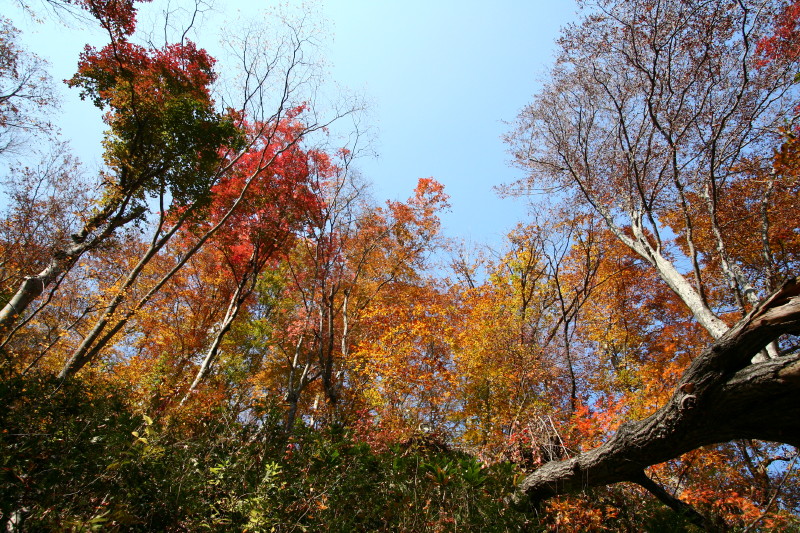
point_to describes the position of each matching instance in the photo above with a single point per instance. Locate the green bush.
(76, 457)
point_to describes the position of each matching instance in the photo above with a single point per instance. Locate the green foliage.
(75, 457)
(325, 481)
(164, 132)
(58, 440)
(179, 150)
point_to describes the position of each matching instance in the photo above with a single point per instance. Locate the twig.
(774, 496)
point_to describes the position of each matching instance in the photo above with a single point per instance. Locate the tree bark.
(243, 290)
(721, 396)
(62, 261)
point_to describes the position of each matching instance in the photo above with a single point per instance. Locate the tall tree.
(662, 118)
(25, 91)
(175, 157)
(652, 111)
(164, 137)
(353, 254)
(262, 230)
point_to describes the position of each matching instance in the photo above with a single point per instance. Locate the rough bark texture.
(721, 396)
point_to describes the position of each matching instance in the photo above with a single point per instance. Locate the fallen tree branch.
(722, 396)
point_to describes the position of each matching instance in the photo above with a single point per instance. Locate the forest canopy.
(222, 329)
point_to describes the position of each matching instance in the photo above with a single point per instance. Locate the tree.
(520, 371)
(721, 396)
(662, 118)
(25, 90)
(263, 229)
(162, 141)
(401, 369)
(354, 255)
(45, 205)
(178, 162)
(655, 122)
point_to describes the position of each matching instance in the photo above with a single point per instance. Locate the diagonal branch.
(722, 396)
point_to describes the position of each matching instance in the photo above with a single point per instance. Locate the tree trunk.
(722, 396)
(62, 261)
(32, 288)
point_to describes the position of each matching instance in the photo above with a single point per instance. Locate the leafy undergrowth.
(75, 457)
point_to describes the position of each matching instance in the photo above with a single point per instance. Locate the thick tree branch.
(722, 396)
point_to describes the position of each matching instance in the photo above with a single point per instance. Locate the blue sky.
(443, 78)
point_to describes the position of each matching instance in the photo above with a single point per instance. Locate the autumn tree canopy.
(664, 120)
(223, 329)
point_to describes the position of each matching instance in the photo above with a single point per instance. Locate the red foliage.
(785, 42)
(275, 177)
(123, 74)
(118, 17)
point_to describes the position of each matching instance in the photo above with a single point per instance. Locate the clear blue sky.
(442, 77)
